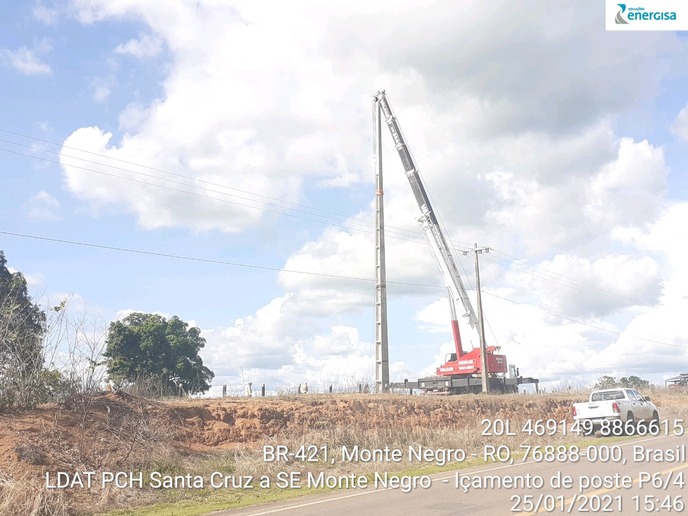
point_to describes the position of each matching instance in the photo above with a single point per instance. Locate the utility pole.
(381, 341)
(481, 324)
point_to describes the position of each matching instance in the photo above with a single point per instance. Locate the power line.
(207, 260)
(147, 167)
(280, 206)
(309, 273)
(554, 277)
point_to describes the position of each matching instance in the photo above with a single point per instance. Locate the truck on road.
(627, 406)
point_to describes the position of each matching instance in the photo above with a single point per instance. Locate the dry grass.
(672, 404)
(25, 496)
(178, 437)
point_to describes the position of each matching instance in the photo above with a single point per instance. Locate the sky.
(213, 160)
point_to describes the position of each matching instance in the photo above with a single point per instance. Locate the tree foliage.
(605, 382)
(631, 382)
(145, 347)
(22, 327)
(634, 382)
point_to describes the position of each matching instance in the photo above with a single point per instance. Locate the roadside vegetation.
(176, 438)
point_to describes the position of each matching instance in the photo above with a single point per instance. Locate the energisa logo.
(630, 14)
(620, 20)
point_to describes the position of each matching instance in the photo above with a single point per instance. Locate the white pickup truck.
(622, 407)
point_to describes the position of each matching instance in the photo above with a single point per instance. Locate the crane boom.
(428, 221)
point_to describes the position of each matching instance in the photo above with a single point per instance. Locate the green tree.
(147, 347)
(633, 382)
(605, 382)
(630, 382)
(22, 327)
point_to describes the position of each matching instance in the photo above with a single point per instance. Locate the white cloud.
(263, 340)
(680, 126)
(629, 192)
(435, 316)
(143, 47)
(275, 346)
(44, 14)
(102, 88)
(569, 193)
(126, 312)
(127, 175)
(33, 281)
(578, 287)
(237, 110)
(513, 126)
(525, 75)
(664, 237)
(133, 117)
(647, 339)
(43, 206)
(241, 110)
(74, 303)
(335, 254)
(26, 60)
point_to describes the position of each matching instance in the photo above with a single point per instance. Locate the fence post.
(406, 385)
(262, 390)
(224, 391)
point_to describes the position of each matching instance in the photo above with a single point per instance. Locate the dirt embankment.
(118, 432)
(218, 423)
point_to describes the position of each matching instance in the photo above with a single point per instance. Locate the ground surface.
(118, 432)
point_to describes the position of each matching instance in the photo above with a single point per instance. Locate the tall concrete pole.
(481, 324)
(381, 343)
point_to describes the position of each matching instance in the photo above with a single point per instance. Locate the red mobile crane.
(462, 371)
